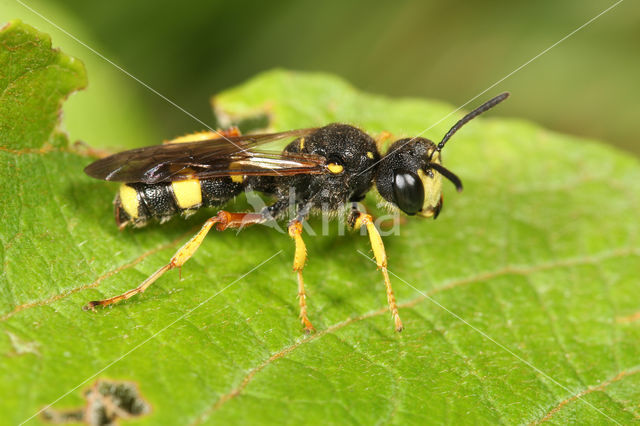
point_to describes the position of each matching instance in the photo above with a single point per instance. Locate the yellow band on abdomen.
(188, 193)
(129, 200)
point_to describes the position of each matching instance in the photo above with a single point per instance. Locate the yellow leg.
(381, 261)
(299, 259)
(382, 138)
(222, 221)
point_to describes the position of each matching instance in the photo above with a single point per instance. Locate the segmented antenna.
(473, 114)
(448, 174)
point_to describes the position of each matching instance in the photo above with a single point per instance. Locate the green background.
(588, 85)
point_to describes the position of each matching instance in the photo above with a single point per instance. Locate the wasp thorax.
(406, 179)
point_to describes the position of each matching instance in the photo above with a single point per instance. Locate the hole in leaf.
(106, 403)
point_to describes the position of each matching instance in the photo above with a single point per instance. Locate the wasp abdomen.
(137, 203)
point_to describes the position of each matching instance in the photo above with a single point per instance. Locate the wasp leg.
(359, 219)
(385, 224)
(222, 221)
(382, 138)
(299, 259)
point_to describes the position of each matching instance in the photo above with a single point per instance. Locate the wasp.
(328, 169)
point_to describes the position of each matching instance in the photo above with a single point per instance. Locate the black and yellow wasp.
(327, 169)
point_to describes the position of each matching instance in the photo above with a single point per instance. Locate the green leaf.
(110, 111)
(520, 302)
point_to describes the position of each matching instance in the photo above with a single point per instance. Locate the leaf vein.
(598, 388)
(95, 283)
(620, 252)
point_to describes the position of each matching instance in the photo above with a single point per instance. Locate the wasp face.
(410, 177)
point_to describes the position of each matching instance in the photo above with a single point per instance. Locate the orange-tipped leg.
(299, 259)
(382, 138)
(381, 261)
(222, 221)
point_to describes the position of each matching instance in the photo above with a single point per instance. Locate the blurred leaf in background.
(588, 85)
(109, 112)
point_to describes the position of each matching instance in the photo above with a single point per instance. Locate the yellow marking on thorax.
(188, 193)
(301, 144)
(370, 155)
(129, 200)
(335, 168)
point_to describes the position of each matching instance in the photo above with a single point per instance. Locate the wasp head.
(410, 174)
(410, 177)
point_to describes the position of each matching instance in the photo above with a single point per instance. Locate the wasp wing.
(226, 156)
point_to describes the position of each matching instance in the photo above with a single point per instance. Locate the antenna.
(448, 174)
(473, 114)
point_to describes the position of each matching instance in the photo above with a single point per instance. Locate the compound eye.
(408, 191)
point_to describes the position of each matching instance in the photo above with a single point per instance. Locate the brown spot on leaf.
(106, 403)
